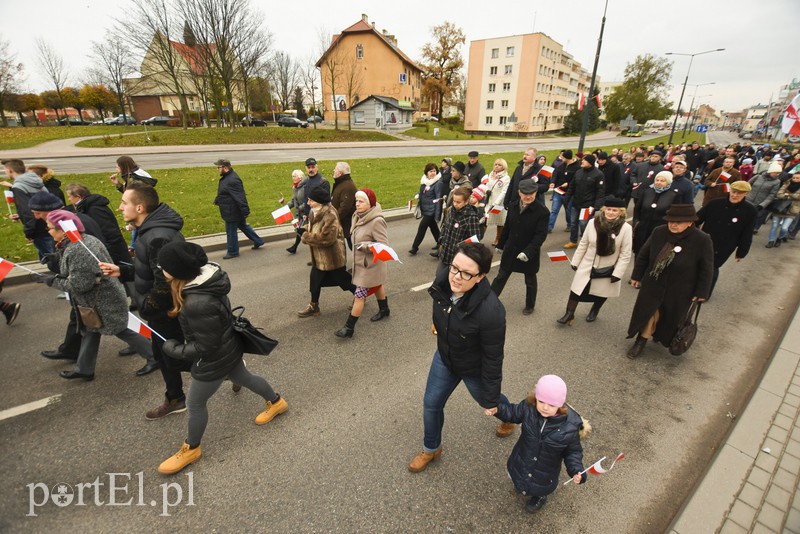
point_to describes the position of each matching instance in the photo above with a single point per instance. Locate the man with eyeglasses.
(470, 325)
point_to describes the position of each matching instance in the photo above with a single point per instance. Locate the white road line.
(29, 407)
(428, 284)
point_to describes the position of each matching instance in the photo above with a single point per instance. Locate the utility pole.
(591, 84)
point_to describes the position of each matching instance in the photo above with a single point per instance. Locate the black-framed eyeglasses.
(463, 274)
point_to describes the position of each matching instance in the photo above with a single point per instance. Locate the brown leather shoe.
(312, 310)
(504, 430)
(421, 461)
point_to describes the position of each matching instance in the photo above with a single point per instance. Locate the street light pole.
(591, 84)
(685, 81)
(686, 122)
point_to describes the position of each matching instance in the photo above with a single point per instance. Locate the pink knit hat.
(478, 194)
(552, 390)
(56, 216)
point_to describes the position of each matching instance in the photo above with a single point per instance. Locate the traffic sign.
(224, 108)
(701, 128)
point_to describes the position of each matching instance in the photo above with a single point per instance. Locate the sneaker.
(570, 245)
(11, 311)
(166, 408)
(180, 459)
(536, 503)
(273, 409)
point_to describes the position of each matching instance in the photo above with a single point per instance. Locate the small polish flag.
(9, 196)
(410, 205)
(546, 171)
(282, 215)
(599, 102)
(282, 199)
(597, 467)
(495, 210)
(726, 188)
(473, 239)
(560, 191)
(296, 223)
(557, 256)
(135, 324)
(71, 230)
(581, 101)
(382, 252)
(724, 176)
(668, 166)
(585, 214)
(5, 267)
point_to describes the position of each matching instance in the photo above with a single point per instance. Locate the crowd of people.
(676, 252)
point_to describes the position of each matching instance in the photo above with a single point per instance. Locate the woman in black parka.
(200, 298)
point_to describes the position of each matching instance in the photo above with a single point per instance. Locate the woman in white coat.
(600, 260)
(496, 189)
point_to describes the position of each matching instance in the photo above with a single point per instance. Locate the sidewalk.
(752, 483)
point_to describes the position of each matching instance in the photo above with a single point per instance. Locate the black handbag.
(253, 341)
(780, 206)
(602, 272)
(687, 331)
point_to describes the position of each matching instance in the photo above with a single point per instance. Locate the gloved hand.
(46, 279)
(614, 279)
(52, 261)
(170, 344)
(522, 257)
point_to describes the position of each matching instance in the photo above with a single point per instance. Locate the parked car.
(120, 120)
(291, 122)
(73, 121)
(253, 121)
(430, 118)
(158, 120)
(745, 135)
(315, 118)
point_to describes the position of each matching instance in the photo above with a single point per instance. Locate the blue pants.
(782, 222)
(441, 384)
(44, 245)
(558, 201)
(231, 229)
(573, 231)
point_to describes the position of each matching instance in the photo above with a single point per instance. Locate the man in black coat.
(694, 156)
(233, 208)
(730, 222)
(587, 190)
(96, 206)
(475, 170)
(469, 322)
(612, 175)
(523, 234)
(526, 169)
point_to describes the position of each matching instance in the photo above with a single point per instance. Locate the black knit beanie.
(182, 260)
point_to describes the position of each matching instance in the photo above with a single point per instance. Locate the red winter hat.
(370, 194)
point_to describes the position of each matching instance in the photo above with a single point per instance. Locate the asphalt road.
(336, 461)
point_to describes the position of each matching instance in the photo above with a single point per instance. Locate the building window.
(490, 104)
(495, 53)
(492, 87)
(492, 71)
(503, 120)
(507, 86)
(359, 52)
(504, 104)
(358, 117)
(488, 120)
(509, 51)
(508, 69)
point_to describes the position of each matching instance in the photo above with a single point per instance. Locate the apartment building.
(522, 85)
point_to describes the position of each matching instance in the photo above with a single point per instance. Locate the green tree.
(298, 104)
(72, 99)
(30, 102)
(441, 64)
(643, 93)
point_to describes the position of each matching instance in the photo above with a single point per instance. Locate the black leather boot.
(349, 327)
(383, 310)
(569, 315)
(593, 312)
(638, 346)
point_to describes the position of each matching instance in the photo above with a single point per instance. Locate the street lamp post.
(685, 81)
(694, 115)
(691, 106)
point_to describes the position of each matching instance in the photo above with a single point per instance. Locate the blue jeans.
(233, 237)
(44, 245)
(441, 384)
(779, 222)
(558, 201)
(573, 231)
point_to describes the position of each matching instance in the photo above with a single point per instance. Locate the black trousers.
(337, 277)
(426, 222)
(171, 368)
(531, 286)
(72, 337)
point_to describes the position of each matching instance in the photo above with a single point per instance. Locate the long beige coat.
(586, 257)
(325, 239)
(371, 228)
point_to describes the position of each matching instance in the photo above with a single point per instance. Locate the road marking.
(428, 284)
(29, 407)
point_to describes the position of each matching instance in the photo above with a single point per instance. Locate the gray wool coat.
(80, 277)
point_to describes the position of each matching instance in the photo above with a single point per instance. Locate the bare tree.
(252, 51)
(353, 78)
(309, 75)
(53, 66)
(285, 75)
(11, 74)
(331, 64)
(113, 57)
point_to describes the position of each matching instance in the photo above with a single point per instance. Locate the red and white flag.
(410, 205)
(282, 215)
(580, 102)
(597, 467)
(597, 99)
(585, 214)
(790, 125)
(5, 267)
(382, 252)
(726, 188)
(282, 199)
(473, 239)
(136, 324)
(72, 231)
(668, 166)
(560, 191)
(9, 196)
(724, 176)
(546, 171)
(496, 209)
(557, 256)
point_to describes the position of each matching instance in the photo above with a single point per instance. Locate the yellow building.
(364, 61)
(522, 85)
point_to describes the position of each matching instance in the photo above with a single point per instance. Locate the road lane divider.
(29, 407)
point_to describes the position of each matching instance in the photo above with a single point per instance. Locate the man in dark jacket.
(526, 169)
(611, 173)
(627, 170)
(562, 177)
(694, 156)
(233, 208)
(470, 326)
(314, 180)
(586, 191)
(729, 221)
(25, 185)
(461, 222)
(157, 224)
(523, 234)
(343, 198)
(96, 207)
(683, 186)
(475, 170)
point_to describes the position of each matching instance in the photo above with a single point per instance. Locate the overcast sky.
(757, 36)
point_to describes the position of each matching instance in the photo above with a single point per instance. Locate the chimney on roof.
(364, 17)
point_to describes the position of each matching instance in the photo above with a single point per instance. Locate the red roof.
(360, 27)
(191, 56)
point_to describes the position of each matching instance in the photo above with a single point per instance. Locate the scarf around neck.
(667, 253)
(607, 232)
(429, 182)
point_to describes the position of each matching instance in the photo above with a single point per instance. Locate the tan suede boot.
(421, 461)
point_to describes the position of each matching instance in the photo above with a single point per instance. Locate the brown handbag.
(687, 331)
(89, 317)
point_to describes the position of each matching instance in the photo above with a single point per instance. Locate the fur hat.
(44, 201)
(320, 194)
(182, 260)
(56, 216)
(552, 390)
